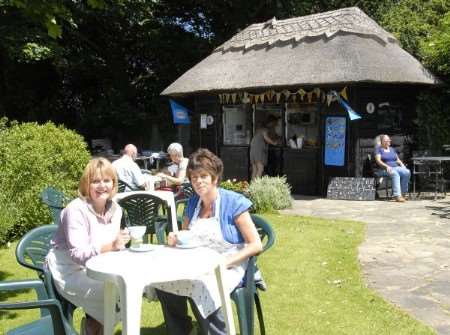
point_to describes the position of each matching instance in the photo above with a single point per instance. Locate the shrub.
(270, 193)
(236, 186)
(33, 157)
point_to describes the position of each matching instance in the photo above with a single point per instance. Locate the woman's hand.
(171, 239)
(121, 240)
(389, 169)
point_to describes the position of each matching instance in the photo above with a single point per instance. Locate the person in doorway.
(90, 225)
(176, 173)
(391, 166)
(129, 172)
(220, 219)
(259, 146)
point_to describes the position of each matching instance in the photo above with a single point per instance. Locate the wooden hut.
(297, 69)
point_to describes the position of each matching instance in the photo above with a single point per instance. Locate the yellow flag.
(343, 93)
(302, 93)
(278, 95)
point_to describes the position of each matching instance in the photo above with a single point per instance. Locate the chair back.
(123, 186)
(34, 246)
(185, 192)
(56, 201)
(265, 231)
(144, 210)
(31, 251)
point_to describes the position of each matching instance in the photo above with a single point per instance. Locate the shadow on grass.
(5, 295)
(158, 330)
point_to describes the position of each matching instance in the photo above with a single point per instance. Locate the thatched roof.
(344, 46)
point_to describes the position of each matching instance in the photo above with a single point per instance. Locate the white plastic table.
(167, 196)
(127, 273)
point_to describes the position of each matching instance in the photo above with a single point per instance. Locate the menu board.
(335, 127)
(351, 188)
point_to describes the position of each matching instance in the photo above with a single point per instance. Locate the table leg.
(110, 299)
(226, 302)
(131, 305)
(173, 215)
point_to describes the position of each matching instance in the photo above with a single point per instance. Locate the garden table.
(433, 168)
(127, 273)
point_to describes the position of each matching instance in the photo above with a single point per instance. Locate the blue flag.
(180, 113)
(351, 113)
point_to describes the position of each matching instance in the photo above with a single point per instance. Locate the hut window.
(389, 116)
(236, 125)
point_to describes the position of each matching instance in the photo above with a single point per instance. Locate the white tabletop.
(164, 195)
(432, 158)
(123, 272)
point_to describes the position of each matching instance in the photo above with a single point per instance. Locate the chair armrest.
(52, 305)
(18, 285)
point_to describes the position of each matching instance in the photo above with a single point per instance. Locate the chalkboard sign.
(351, 188)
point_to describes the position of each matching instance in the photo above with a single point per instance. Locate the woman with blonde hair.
(90, 225)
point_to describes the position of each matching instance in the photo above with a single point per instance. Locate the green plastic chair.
(56, 201)
(31, 251)
(246, 295)
(123, 186)
(53, 322)
(181, 199)
(144, 209)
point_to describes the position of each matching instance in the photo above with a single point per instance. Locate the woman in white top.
(175, 151)
(218, 219)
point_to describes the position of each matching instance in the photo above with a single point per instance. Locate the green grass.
(315, 285)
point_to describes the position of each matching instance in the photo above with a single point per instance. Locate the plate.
(187, 246)
(143, 248)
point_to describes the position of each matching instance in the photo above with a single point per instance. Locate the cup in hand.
(184, 237)
(136, 234)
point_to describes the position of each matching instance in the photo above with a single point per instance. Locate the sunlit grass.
(315, 285)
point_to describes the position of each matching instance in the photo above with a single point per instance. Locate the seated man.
(129, 172)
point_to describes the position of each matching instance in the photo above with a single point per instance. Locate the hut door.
(208, 110)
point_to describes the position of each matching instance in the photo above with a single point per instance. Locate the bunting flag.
(351, 113)
(180, 113)
(343, 93)
(302, 93)
(316, 94)
(278, 95)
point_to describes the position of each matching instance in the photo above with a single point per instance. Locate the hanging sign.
(203, 124)
(335, 127)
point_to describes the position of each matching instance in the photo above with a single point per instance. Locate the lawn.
(315, 285)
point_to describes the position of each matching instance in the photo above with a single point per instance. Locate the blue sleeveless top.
(232, 204)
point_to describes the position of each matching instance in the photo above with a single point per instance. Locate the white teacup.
(184, 237)
(136, 234)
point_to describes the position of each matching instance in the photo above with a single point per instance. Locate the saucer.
(187, 246)
(143, 248)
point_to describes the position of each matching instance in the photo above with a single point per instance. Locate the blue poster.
(335, 127)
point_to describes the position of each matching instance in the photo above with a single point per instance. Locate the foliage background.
(33, 157)
(98, 66)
